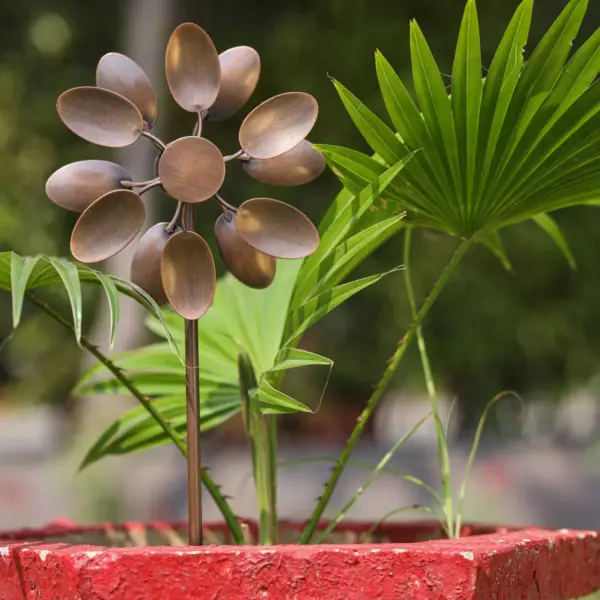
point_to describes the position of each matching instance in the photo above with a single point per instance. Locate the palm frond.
(496, 150)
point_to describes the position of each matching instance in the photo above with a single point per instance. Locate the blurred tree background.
(534, 329)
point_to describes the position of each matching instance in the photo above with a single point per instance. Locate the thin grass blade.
(369, 480)
(473, 453)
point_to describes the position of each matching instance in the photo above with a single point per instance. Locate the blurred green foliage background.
(534, 329)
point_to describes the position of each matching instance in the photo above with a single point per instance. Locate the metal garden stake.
(172, 262)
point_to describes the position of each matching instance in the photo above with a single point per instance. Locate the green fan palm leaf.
(490, 151)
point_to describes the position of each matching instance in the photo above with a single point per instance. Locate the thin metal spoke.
(156, 141)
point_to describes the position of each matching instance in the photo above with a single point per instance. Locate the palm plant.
(495, 151)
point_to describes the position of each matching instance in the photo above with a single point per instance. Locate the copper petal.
(240, 70)
(188, 274)
(251, 267)
(146, 264)
(278, 124)
(118, 73)
(107, 226)
(297, 166)
(77, 185)
(191, 169)
(192, 68)
(276, 228)
(100, 116)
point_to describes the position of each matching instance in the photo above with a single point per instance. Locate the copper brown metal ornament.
(77, 185)
(302, 164)
(107, 226)
(118, 73)
(240, 71)
(251, 267)
(188, 274)
(192, 68)
(172, 262)
(191, 169)
(146, 263)
(278, 124)
(100, 116)
(276, 228)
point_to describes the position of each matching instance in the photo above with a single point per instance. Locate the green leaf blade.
(316, 308)
(549, 225)
(343, 214)
(352, 251)
(293, 358)
(466, 99)
(493, 242)
(437, 111)
(377, 134)
(21, 269)
(69, 274)
(537, 80)
(136, 430)
(274, 402)
(410, 125)
(112, 296)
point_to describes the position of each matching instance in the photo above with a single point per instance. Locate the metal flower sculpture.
(172, 262)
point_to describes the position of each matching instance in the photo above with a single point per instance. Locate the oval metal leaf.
(276, 228)
(251, 267)
(192, 68)
(107, 226)
(191, 169)
(77, 185)
(146, 263)
(118, 73)
(240, 71)
(188, 274)
(302, 164)
(100, 116)
(278, 124)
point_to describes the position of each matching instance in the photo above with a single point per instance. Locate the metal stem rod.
(192, 393)
(198, 126)
(152, 184)
(233, 156)
(225, 204)
(135, 184)
(156, 141)
(173, 221)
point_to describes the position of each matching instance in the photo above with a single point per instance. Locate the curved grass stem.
(442, 441)
(211, 486)
(377, 394)
(368, 481)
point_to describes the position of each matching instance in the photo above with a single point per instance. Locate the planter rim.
(66, 527)
(530, 562)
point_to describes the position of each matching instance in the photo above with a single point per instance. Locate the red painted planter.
(488, 563)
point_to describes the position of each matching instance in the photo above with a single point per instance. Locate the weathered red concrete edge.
(528, 564)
